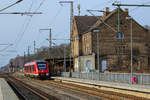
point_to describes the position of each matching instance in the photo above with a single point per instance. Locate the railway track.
(96, 92)
(17, 91)
(27, 92)
(99, 93)
(92, 91)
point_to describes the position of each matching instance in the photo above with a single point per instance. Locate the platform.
(6, 92)
(135, 89)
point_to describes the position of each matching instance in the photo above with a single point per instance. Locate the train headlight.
(47, 74)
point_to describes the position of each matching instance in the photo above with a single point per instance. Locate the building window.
(121, 49)
(119, 35)
(87, 37)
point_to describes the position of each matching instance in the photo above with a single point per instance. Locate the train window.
(42, 65)
(30, 69)
(33, 69)
(26, 68)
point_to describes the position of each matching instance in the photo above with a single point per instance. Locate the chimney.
(127, 11)
(105, 13)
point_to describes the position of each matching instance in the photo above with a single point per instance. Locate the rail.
(18, 91)
(41, 94)
(106, 94)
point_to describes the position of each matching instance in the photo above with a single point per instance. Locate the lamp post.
(97, 40)
(65, 69)
(131, 40)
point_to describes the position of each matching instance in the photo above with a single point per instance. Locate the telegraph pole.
(50, 39)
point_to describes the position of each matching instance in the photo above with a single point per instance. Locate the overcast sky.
(21, 31)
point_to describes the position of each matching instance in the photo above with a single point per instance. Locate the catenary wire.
(26, 27)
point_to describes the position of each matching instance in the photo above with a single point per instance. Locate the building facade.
(98, 40)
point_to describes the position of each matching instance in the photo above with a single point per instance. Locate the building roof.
(84, 23)
(88, 23)
(105, 18)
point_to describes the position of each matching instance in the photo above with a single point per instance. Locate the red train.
(36, 69)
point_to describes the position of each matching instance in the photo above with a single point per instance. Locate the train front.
(43, 69)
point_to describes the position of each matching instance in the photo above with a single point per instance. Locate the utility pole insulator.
(79, 10)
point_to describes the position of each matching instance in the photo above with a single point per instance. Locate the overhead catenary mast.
(119, 5)
(71, 22)
(50, 39)
(71, 13)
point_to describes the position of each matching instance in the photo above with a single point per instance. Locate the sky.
(22, 30)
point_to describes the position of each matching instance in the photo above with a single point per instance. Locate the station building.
(96, 45)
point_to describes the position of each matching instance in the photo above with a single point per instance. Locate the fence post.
(124, 77)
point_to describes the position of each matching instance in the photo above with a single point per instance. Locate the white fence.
(114, 77)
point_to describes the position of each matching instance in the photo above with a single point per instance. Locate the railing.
(113, 77)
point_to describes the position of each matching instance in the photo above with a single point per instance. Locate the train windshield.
(41, 65)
